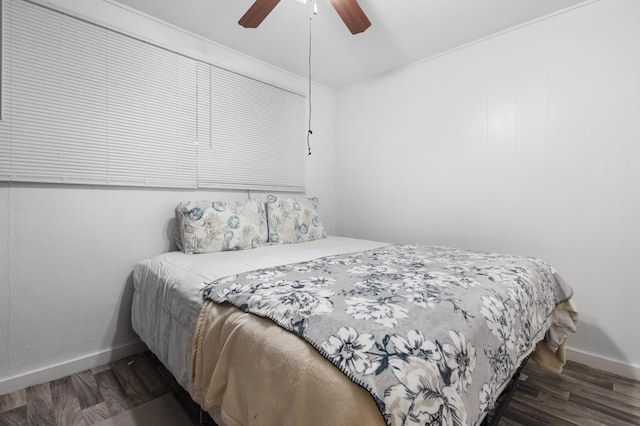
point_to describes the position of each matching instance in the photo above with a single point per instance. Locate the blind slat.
(84, 104)
(256, 135)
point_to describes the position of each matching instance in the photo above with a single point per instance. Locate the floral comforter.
(432, 333)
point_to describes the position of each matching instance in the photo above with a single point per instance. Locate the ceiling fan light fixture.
(349, 10)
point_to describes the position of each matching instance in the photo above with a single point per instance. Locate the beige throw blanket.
(248, 371)
(550, 352)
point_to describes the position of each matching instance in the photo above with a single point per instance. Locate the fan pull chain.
(309, 131)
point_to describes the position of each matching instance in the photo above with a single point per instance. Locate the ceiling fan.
(349, 10)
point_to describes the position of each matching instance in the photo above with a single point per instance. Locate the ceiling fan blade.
(257, 12)
(352, 15)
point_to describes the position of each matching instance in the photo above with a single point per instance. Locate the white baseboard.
(601, 363)
(67, 368)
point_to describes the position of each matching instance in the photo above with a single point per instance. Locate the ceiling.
(402, 31)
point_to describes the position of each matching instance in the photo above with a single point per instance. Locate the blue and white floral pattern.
(433, 333)
(207, 226)
(350, 349)
(294, 220)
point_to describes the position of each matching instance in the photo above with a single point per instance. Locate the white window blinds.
(89, 105)
(85, 104)
(152, 121)
(256, 135)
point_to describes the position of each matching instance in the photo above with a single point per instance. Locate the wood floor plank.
(571, 365)
(599, 380)
(96, 413)
(611, 400)
(611, 410)
(561, 383)
(554, 388)
(114, 395)
(149, 375)
(66, 406)
(629, 390)
(523, 414)
(100, 369)
(15, 417)
(505, 421)
(13, 400)
(40, 405)
(136, 390)
(572, 412)
(86, 389)
(526, 388)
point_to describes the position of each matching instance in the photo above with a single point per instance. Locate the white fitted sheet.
(168, 291)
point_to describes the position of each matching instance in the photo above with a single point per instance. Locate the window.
(256, 130)
(88, 105)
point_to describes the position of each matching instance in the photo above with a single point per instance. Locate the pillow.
(222, 225)
(177, 229)
(294, 220)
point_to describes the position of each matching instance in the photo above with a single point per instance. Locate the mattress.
(168, 291)
(229, 359)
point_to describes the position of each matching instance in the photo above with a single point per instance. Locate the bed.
(226, 326)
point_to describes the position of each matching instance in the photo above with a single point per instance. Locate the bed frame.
(503, 400)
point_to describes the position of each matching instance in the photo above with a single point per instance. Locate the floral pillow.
(222, 225)
(177, 229)
(294, 220)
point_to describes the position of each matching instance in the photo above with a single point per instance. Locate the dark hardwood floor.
(580, 396)
(94, 395)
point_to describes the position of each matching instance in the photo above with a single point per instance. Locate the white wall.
(67, 252)
(528, 143)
